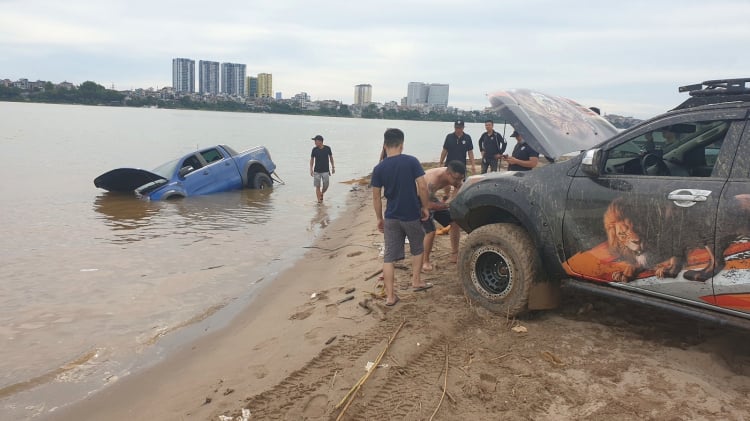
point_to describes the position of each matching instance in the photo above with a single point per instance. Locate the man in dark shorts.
(438, 179)
(401, 178)
(319, 169)
(457, 145)
(524, 158)
(492, 146)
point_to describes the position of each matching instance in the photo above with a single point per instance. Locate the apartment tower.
(183, 75)
(362, 94)
(208, 77)
(251, 87)
(265, 85)
(233, 79)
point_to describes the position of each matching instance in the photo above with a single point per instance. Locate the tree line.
(91, 93)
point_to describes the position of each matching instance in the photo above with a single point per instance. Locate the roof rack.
(715, 92)
(718, 87)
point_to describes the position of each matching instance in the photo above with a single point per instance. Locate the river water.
(96, 285)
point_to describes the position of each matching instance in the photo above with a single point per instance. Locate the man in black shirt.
(492, 146)
(319, 169)
(523, 158)
(457, 145)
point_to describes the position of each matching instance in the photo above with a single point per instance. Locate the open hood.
(125, 179)
(552, 125)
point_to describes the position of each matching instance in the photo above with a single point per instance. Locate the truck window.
(212, 155)
(678, 150)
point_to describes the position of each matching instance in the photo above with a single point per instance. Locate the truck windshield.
(166, 170)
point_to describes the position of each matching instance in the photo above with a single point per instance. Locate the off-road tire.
(497, 265)
(261, 181)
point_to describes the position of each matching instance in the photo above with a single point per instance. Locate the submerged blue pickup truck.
(210, 170)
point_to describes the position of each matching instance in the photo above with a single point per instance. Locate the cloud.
(630, 56)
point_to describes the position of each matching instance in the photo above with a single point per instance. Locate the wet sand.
(300, 347)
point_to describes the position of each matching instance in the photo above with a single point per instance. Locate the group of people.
(413, 202)
(492, 147)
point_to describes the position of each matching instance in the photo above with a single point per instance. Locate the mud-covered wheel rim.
(492, 275)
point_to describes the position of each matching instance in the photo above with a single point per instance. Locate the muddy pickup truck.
(210, 170)
(658, 214)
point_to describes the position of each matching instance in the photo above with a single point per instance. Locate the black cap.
(318, 137)
(515, 134)
(458, 123)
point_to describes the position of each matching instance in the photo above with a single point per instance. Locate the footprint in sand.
(313, 334)
(258, 371)
(331, 311)
(264, 344)
(316, 406)
(302, 315)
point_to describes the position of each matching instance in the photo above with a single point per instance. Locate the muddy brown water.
(96, 285)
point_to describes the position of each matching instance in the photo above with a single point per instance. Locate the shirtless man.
(437, 179)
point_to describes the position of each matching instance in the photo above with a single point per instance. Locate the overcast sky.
(625, 57)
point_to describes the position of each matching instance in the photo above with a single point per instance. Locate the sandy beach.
(309, 336)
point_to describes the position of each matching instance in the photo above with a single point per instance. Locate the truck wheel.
(497, 265)
(261, 181)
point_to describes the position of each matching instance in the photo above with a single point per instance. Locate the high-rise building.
(251, 87)
(419, 93)
(437, 94)
(265, 85)
(183, 75)
(362, 94)
(416, 93)
(208, 77)
(233, 79)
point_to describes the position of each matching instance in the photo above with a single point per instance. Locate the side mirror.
(592, 161)
(185, 170)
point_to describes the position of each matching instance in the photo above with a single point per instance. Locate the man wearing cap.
(492, 146)
(457, 145)
(524, 158)
(319, 169)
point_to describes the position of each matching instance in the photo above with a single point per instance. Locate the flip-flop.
(393, 303)
(425, 287)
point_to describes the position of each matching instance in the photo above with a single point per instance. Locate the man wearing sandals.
(401, 178)
(438, 179)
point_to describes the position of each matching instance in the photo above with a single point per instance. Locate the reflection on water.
(320, 219)
(123, 211)
(132, 219)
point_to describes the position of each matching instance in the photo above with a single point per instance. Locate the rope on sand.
(349, 398)
(445, 384)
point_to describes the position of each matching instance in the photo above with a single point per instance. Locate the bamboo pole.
(349, 398)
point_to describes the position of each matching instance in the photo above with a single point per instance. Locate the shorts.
(318, 176)
(443, 216)
(395, 232)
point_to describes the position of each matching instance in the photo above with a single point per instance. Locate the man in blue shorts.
(401, 178)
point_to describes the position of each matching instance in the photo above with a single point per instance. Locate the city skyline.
(234, 82)
(626, 58)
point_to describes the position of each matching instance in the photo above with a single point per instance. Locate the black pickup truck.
(658, 214)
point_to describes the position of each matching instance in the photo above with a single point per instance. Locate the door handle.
(688, 197)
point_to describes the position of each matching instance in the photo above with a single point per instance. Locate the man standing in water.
(319, 169)
(401, 178)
